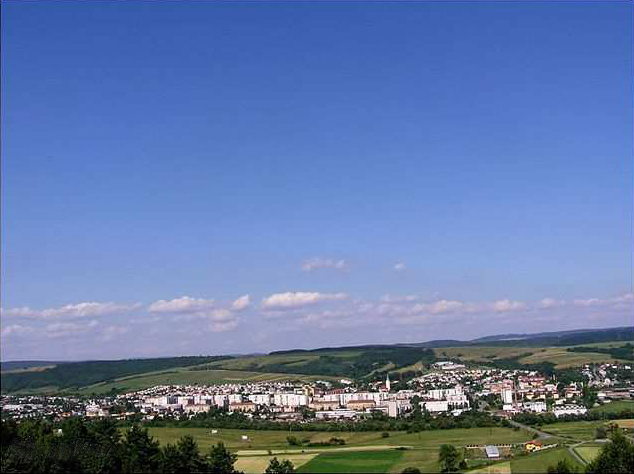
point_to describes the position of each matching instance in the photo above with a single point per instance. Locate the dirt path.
(263, 452)
(540, 434)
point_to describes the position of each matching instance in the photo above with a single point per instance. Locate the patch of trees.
(513, 363)
(295, 441)
(570, 339)
(547, 418)
(357, 367)
(423, 421)
(616, 457)
(625, 352)
(81, 374)
(99, 447)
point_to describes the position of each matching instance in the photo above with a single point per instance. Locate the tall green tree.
(140, 452)
(221, 460)
(562, 467)
(280, 467)
(449, 457)
(616, 457)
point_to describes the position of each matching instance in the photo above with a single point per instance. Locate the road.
(571, 448)
(540, 434)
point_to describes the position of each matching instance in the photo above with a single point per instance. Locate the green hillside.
(362, 363)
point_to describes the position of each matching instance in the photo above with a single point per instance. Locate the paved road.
(540, 434)
(571, 448)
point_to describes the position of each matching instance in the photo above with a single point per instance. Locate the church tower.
(387, 383)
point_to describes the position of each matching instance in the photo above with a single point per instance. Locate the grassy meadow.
(352, 461)
(362, 451)
(614, 407)
(188, 376)
(557, 355)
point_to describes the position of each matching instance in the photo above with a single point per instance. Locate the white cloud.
(187, 309)
(222, 326)
(16, 329)
(241, 303)
(399, 267)
(548, 303)
(58, 330)
(71, 311)
(399, 299)
(503, 306)
(587, 302)
(317, 263)
(299, 299)
(184, 304)
(111, 332)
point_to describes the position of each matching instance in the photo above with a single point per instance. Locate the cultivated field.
(539, 461)
(588, 453)
(614, 407)
(353, 461)
(557, 355)
(360, 448)
(186, 375)
(258, 464)
(564, 359)
(576, 430)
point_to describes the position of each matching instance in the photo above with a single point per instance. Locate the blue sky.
(363, 172)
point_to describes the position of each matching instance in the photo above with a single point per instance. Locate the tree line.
(83, 447)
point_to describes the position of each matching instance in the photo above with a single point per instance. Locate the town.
(448, 388)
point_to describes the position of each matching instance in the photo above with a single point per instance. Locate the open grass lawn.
(614, 407)
(258, 464)
(353, 461)
(579, 430)
(181, 376)
(276, 440)
(588, 453)
(557, 355)
(481, 353)
(425, 459)
(538, 462)
(564, 359)
(497, 468)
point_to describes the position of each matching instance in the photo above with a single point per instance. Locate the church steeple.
(387, 382)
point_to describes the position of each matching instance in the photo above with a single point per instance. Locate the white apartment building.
(569, 410)
(435, 406)
(290, 399)
(260, 398)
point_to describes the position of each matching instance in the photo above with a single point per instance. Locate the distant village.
(449, 388)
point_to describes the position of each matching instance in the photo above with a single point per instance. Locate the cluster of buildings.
(24, 407)
(450, 388)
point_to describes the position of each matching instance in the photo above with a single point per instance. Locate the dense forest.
(355, 367)
(99, 447)
(625, 352)
(80, 374)
(548, 418)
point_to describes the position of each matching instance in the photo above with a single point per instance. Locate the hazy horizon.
(216, 178)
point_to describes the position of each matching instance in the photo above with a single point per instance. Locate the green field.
(614, 407)
(258, 464)
(276, 440)
(353, 461)
(564, 359)
(538, 462)
(588, 453)
(577, 430)
(187, 376)
(422, 447)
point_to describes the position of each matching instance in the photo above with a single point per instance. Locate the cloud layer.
(188, 324)
(290, 300)
(317, 263)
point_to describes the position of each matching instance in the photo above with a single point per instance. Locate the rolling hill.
(549, 351)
